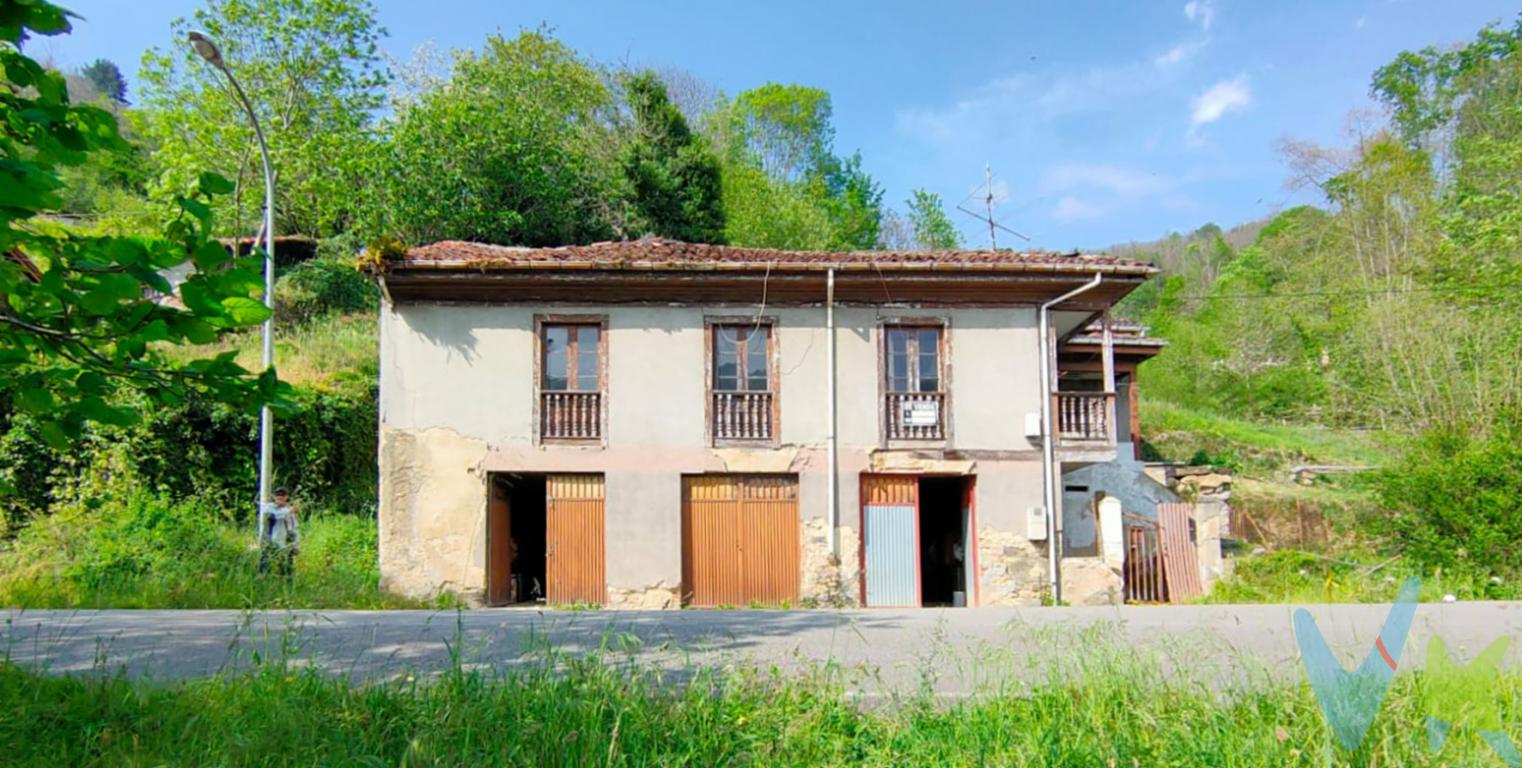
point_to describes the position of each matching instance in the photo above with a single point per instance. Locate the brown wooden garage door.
(740, 539)
(574, 553)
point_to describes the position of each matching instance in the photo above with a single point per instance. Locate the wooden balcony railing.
(742, 415)
(916, 415)
(570, 415)
(1087, 417)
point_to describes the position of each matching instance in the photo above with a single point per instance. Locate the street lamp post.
(206, 49)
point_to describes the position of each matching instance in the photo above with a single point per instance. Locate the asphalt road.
(955, 652)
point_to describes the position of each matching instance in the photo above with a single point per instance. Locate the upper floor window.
(571, 380)
(572, 358)
(743, 397)
(914, 382)
(914, 359)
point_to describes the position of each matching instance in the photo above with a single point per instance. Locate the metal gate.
(1143, 567)
(574, 551)
(890, 540)
(1161, 565)
(740, 539)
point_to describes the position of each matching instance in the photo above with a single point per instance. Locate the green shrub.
(136, 549)
(325, 452)
(322, 286)
(27, 467)
(1455, 501)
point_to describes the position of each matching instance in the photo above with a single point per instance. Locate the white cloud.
(1113, 179)
(1095, 190)
(1070, 208)
(1007, 108)
(1201, 12)
(1232, 95)
(1177, 54)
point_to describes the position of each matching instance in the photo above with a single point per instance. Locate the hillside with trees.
(1379, 328)
(1383, 327)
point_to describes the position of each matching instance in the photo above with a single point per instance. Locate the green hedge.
(321, 286)
(207, 453)
(1455, 502)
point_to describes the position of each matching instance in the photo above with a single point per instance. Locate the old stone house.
(654, 423)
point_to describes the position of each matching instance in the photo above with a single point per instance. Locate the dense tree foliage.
(673, 177)
(783, 185)
(107, 79)
(311, 69)
(517, 146)
(78, 324)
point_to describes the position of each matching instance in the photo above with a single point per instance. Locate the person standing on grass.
(279, 539)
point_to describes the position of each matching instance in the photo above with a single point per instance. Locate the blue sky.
(1104, 122)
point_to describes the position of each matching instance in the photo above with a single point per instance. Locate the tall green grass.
(1180, 433)
(326, 352)
(1104, 708)
(145, 551)
(1289, 576)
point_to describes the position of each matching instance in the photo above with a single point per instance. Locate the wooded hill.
(1380, 327)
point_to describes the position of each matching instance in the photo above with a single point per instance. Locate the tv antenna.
(989, 199)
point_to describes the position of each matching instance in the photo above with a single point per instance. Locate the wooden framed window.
(571, 378)
(914, 382)
(742, 380)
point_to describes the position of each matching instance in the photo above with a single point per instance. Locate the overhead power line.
(1308, 294)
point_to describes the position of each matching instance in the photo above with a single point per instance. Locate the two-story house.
(654, 423)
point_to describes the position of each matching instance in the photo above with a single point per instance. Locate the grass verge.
(597, 710)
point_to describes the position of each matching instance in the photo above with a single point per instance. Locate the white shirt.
(277, 525)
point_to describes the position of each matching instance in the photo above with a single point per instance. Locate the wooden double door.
(569, 513)
(740, 539)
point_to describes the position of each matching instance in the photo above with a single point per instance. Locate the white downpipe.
(1048, 439)
(829, 325)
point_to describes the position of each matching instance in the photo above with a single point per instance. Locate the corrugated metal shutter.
(574, 556)
(890, 539)
(1181, 565)
(739, 539)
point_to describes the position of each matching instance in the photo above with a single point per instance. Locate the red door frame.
(861, 545)
(970, 499)
(970, 543)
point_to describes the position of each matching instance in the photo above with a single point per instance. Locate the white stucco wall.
(464, 374)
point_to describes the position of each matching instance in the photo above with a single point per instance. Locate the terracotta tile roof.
(1124, 332)
(653, 253)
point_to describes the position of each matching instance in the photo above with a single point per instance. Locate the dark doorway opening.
(944, 521)
(515, 539)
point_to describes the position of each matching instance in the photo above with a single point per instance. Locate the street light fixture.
(206, 49)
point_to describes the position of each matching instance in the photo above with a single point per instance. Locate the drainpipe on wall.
(1048, 439)
(829, 325)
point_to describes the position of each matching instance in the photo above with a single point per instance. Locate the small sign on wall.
(919, 413)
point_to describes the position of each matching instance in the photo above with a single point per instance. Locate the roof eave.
(443, 265)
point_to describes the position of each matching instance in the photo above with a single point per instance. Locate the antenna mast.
(988, 200)
(988, 207)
